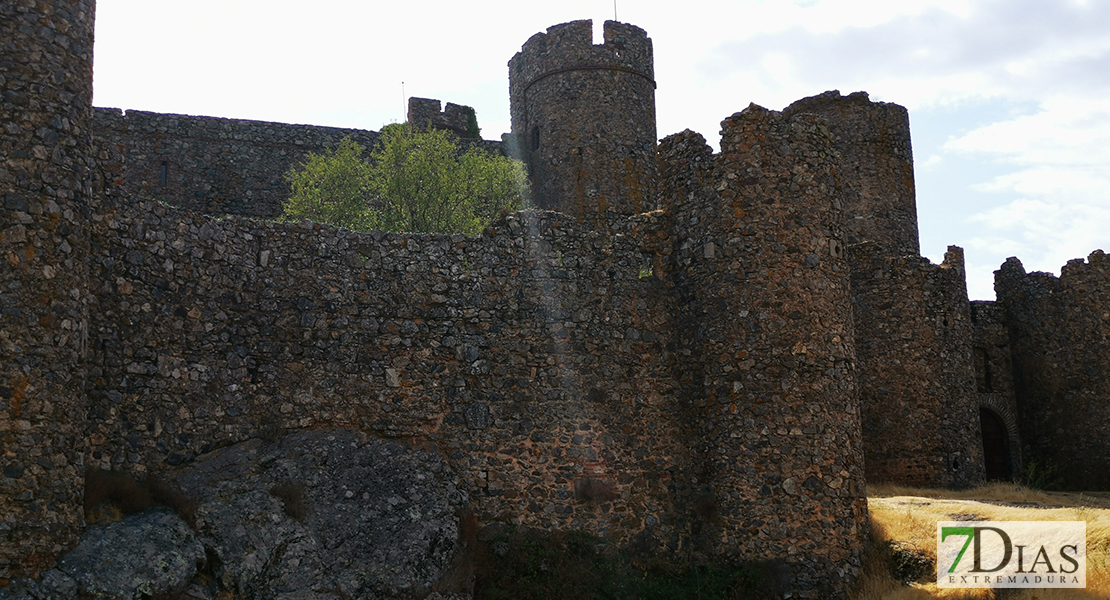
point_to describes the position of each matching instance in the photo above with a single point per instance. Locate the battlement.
(736, 352)
(458, 119)
(570, 47)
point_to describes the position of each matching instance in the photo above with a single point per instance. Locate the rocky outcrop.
(316, 514)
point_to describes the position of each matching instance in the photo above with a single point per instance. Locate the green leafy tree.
(415, 180)
(333, 187)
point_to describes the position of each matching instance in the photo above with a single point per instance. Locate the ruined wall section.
(584, 119)
(993, 364)
(535, 357)
(873, 139)
(765, 317)
(208, 164)
(1060, 332)
(46, 82)
(913, 345)
(425, 112)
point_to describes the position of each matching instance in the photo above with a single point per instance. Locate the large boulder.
(314, 515)
(325, 512)
(145, 554)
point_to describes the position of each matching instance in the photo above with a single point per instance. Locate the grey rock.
(477, 416)
(148, 553)
(358, 517)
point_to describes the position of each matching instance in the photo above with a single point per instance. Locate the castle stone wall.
(584, 119)
(45, 93)
(913, 344)
(764, 315)
(213, 165)
(1060, 334)
(873, 139)
(223, 166)
(535, 357)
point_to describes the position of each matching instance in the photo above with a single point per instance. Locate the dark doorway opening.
(996, 445)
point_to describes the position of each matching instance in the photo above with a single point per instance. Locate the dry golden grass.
(909, 517)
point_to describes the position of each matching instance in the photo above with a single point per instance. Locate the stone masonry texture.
(46, 78)
(692, 355)
(765, 322)
(913, 346)
(217, 166)
(873, 139)
(994, 384)
(425, 112)
(223, 166)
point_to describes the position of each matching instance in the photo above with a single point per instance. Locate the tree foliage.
(414, 180)
(333, 187)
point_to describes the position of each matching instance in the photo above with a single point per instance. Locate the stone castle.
(703, 354)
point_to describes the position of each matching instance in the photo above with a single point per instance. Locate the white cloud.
(932, 162)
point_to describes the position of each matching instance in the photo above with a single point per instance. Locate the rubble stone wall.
(913, 345)
(45, 93)
(535, 357)
(208, 164)
(425, 112)
(1059, 329)
(994, 380)
(221, 166)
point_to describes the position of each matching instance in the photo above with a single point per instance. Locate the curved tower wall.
(584, 119)
(873, 139)
(764, 312)
(46, 78)
(1059, 330)
(917, 388)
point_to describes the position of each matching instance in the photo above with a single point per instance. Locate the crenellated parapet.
(584, 119)
(695, 356)
(459, 120)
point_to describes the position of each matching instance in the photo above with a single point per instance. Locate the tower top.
(570, 47)
(584, 119)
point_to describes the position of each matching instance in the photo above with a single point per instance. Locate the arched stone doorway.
(996, 446)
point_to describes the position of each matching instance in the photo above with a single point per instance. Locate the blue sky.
(1009, 100)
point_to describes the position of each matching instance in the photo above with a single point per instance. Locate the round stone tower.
(873, 139)
(45, 109)
(584, 119)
